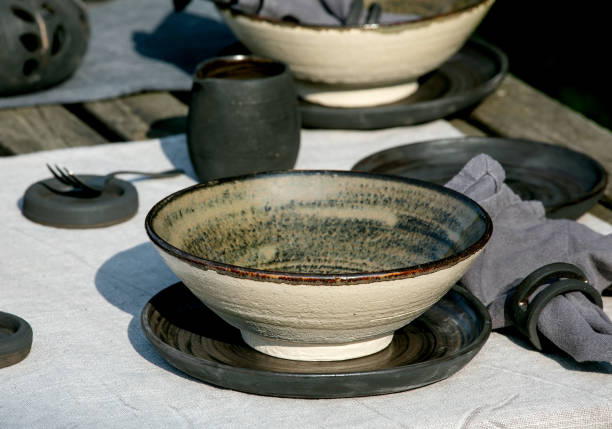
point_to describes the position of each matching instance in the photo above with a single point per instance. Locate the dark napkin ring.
(568, 278)
(15, 339)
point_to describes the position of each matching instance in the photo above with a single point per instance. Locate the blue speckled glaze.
(323, 225)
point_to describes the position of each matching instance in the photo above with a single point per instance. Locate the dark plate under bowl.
(433, 347)
(466, 78)
(567, 182)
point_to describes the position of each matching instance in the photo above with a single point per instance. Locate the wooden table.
(515, 110)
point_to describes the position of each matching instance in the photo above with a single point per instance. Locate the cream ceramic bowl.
(318, 265)
(367, 65)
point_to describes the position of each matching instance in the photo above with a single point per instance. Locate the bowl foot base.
(332, 96)
(315, 352)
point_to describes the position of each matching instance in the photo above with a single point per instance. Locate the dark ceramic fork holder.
(243, 117)
(41, 204)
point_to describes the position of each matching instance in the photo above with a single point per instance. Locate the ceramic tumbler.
(243, 117)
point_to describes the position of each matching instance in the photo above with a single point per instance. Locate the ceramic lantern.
(43, 42)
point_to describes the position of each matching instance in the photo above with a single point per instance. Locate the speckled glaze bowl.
(366, 65)
(318, 265)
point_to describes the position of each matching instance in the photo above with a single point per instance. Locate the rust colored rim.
(314, 278)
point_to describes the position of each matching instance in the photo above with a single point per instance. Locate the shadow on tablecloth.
(175, 150)
(181, 39)
(128, 280)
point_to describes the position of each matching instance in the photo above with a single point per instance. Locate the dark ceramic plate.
(196, 341)
(466, 78)
(568, 183)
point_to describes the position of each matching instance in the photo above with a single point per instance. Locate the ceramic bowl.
(366, 65)
(318, 265)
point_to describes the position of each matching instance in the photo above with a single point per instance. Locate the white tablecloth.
(90, 366)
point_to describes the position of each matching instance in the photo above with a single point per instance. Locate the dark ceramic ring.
(568, 278)
(15, 339)
(543, 275)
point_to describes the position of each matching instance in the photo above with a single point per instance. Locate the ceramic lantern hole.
(30, 41)
(83, 19)
(30, 66)
(22, 14)
(59, 36)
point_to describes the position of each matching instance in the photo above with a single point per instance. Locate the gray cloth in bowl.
(311, 12)
(523, 240)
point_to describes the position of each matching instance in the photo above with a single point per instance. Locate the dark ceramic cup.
(243, 117)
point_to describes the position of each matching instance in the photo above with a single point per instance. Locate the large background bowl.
(318, 265)
(359, 66)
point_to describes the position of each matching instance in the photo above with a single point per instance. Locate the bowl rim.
(368, 27)
(318, 278)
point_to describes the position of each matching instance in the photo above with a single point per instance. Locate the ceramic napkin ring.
(557, 278)
(15, 339)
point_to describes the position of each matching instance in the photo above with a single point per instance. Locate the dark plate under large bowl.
(433, 347)
(567, 182)
(466, 78)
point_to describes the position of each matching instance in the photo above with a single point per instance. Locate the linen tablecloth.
(90, 365)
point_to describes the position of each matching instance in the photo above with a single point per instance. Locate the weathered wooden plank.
(520, 111)
(140, 116)
(32, 129)
(467, 128)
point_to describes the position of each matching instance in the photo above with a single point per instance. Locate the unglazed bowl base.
(328, 95)
(315, 352)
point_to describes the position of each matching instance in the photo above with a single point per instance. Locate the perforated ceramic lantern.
(42, 43)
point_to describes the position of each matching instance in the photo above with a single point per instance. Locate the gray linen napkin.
(523, 240)
(313, 12)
